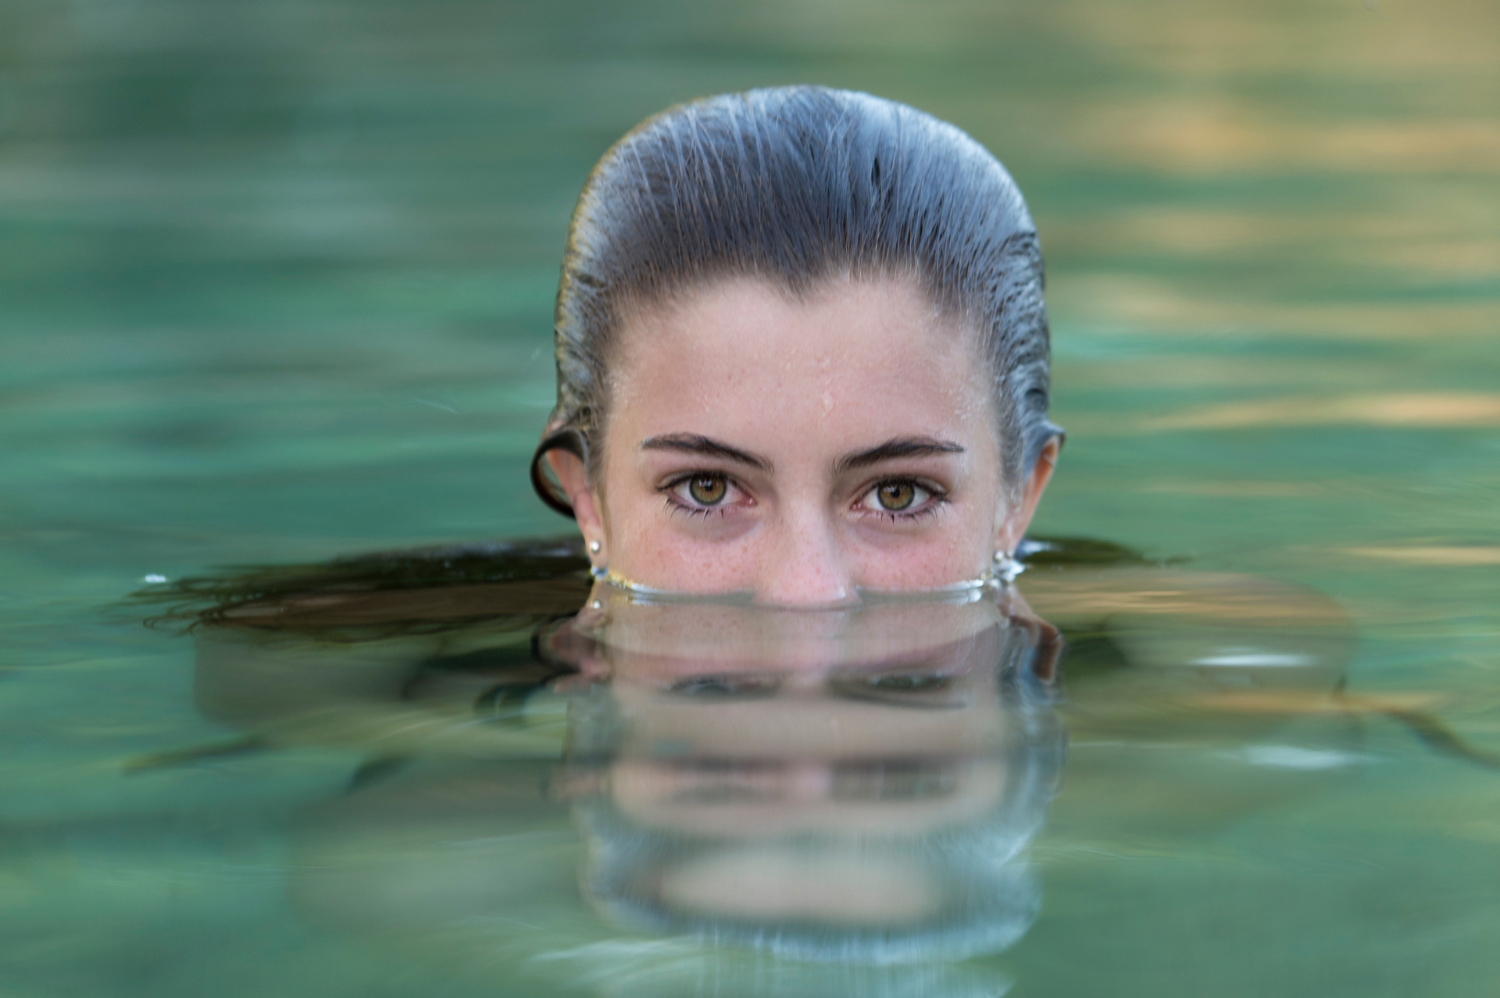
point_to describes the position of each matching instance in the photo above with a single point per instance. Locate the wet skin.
(799, 449)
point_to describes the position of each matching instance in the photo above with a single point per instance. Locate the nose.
(805, 565)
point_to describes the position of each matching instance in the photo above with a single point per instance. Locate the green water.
(275, 286)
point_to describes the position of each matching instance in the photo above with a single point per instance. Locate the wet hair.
(532, 581)
(384, 594)
(795, 186)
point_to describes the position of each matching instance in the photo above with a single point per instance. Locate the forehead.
(874, 356)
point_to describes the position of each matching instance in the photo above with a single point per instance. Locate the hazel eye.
(896, 495)
(707, 490)
(703, 491)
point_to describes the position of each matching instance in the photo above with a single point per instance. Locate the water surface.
(276, 285)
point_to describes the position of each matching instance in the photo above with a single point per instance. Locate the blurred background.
(277, 277)
(276, 283)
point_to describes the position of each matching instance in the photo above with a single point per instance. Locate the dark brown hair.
(796, 185)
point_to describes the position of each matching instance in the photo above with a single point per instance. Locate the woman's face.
(798, 450)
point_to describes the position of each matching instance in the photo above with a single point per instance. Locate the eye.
(707, 490)
(895, 496)
(700, 491)
(899, 497)
(704, 492)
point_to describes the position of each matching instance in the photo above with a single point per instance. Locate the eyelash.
(676, 505)
(936, 497)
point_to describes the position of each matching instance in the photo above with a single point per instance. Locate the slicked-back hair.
(795, 186)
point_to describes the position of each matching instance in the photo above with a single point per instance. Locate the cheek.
(653, 549)
(650, 545)
(661, 557)
(959, 547)
(961, 550)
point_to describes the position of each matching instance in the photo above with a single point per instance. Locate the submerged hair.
(796, 186)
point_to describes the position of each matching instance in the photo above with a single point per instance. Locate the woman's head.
(801, 349)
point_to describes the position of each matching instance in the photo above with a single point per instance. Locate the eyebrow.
(696, 443)
(693, 443)
(898, 447)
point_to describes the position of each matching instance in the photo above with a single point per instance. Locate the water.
(276, 285)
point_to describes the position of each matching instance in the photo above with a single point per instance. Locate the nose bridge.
(805, 566)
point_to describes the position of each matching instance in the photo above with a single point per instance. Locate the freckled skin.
(800, 384)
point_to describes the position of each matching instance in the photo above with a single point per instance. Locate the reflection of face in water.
(855, 785)
(852, 786)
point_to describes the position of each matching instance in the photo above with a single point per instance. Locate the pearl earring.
(1006, 568)
(595, 547)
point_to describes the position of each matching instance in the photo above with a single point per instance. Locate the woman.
(801, 352)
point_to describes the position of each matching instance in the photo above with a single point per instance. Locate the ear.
(574, 479)
(1019, 516)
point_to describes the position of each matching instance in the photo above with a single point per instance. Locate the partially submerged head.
(801, 349)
